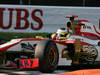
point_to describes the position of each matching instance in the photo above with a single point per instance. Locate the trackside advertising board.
(19, 18)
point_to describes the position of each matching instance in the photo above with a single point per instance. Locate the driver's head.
(62, 34)
(62, 31)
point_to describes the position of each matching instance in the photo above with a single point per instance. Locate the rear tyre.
(47, 52)
(88, 55)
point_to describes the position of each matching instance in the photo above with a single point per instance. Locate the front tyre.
(47, 52)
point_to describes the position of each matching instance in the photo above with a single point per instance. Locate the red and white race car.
(82, 47)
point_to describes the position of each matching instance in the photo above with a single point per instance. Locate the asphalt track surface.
(61, 69)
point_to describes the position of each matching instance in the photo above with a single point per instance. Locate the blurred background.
(78, 3)
(87, 3)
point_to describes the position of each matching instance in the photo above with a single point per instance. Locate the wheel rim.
(52, 56)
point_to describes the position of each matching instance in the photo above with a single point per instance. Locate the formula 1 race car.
(82, 47)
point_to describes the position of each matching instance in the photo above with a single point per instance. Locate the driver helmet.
(62, 33)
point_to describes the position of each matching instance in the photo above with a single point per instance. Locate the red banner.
(28, 63)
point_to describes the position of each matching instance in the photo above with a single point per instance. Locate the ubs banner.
(18, 18)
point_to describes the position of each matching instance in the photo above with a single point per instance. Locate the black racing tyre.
(88, 55)
(98, 43)
(47, 52)
(2, 59)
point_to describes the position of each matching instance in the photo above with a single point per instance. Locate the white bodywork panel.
(62, 61)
